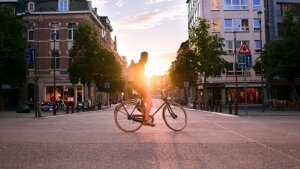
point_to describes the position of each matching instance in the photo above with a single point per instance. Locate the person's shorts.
(142, 89)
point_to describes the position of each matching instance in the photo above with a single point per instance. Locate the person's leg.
(148, 105)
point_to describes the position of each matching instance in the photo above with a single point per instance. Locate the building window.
(235, 5)
(30, 32)
(229, 69)
(71, 28)
(199, 10)
(63, 5)
(53, 31)
(257, 46)
(215, 4)
(216, 25)
(30, 6)
(256, 25)
(282, 8)
(103, 33)
(256, 5)
(236, 25)
(55, 55)
(229, 47)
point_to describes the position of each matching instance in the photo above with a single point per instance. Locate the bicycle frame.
(141, 101)
(165, 103)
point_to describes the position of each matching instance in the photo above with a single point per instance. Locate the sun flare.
(156, 67)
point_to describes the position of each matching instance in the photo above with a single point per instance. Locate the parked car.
(23, 108)
(46, 106)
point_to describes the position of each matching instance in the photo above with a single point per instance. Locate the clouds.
(99, 3)
(150, 19)
(150, 2)
(102, 3)
(119, 3)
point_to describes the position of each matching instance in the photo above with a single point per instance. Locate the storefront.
(62, 92)
(253, 95)
(252, 92)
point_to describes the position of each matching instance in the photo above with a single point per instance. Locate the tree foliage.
(281, 57)
(12, 48)
(92, 63)
(208, 49)
(108, 70)
(183, 69)
(204, 55)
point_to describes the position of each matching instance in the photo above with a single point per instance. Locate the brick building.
(43, 19)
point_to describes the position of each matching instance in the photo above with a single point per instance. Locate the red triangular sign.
(244, 49)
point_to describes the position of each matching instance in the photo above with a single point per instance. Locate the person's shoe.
(146, 123)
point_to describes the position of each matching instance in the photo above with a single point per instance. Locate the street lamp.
(261, 65)
(235, 72)
(54, 55)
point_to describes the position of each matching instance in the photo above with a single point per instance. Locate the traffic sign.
(244, 61)
(186, 84)
(244, 49)
(106, 85)
(30, 55)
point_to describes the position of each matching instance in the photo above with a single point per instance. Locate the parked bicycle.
(129, 115)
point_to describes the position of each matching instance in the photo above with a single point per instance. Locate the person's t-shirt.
(139, 73)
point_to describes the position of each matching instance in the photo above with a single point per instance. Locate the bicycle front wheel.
(127, 117)
(175, 116)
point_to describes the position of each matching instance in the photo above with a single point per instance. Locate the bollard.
(236, 109)
(39, 109)
(220, 104)
(216, 105)
(230, 107)
(73, 107)
(67, 109)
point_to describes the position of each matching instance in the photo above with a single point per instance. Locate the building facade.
(50, 27)
(235, 21)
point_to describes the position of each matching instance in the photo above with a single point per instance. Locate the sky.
(156, 26)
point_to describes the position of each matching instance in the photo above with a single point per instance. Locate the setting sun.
(156, 67)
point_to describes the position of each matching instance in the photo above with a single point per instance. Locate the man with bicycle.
(140, 85)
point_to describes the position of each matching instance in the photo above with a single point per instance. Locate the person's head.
(144, 56)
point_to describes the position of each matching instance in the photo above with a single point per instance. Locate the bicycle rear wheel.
(175, 116)
(127, 117)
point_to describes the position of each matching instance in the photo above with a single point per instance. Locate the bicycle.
(129, 115)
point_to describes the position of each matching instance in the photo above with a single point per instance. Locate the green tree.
(209, 50)
(12, 49)
(109, 70)
(184, 68)
(281, 57)
(92, 63)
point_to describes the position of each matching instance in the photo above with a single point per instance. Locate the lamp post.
(261, 65)
(54, 55)
(36, 90)
(235, 72)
